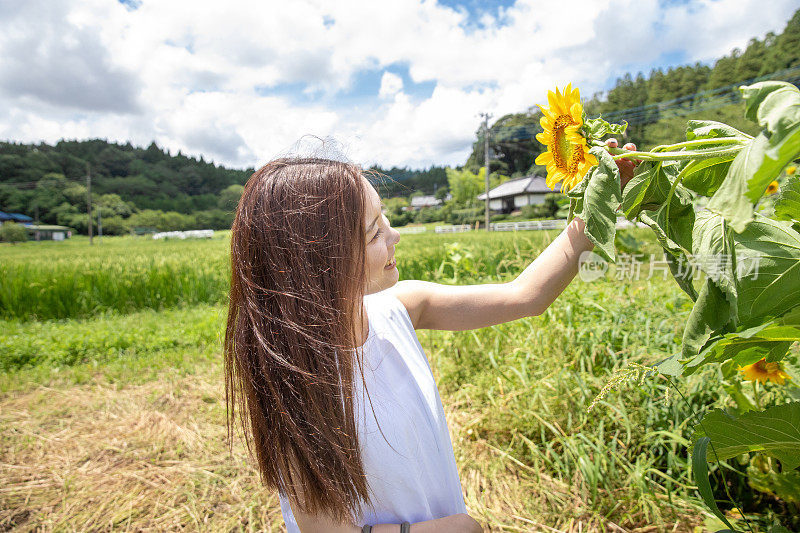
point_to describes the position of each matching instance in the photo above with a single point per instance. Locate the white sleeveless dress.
(412, 477)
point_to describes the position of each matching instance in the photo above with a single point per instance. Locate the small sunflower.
(763, 372)
(790, 170)
(772, 188)
(567, 157)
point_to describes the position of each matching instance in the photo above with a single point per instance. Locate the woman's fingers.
(626, 166)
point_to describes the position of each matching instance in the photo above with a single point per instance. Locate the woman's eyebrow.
(372, 225)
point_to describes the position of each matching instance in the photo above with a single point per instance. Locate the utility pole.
(99, 224)
(89, 198)
(36, 208)
(486, 117)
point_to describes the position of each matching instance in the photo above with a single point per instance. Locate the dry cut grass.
(147, 457)
(100, 457)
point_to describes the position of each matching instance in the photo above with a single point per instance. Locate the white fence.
(460, 228)
(528, 225)
(191, 234)
(412, 229)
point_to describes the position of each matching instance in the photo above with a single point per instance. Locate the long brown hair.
(297, 271)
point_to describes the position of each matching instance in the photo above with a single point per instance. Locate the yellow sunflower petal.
(576, 112)
(554, 100)
(772, 187)
(545, 138)
(763, 372)
(544, 158)
(546, 113)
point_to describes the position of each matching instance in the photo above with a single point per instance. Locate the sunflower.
(763, 372)
(567, 157)
(790, 170)
(772, 188)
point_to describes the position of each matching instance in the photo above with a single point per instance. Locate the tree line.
(132, 188)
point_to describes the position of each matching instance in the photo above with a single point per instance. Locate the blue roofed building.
(15, 217)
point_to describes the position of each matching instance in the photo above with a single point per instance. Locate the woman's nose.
(396, 235)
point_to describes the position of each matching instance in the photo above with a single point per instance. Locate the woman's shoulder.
(385, 306)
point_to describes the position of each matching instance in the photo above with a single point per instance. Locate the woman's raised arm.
(460, 307)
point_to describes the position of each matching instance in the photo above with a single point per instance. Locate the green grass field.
(112, 399)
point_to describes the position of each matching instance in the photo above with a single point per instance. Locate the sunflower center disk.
(565, 156)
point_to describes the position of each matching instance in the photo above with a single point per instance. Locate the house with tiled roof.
(517, 193)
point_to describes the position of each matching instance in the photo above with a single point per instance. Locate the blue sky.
(395, 82)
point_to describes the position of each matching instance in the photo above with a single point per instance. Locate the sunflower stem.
(756, 395)
(572, 202)
(699, 142)
(674, 156)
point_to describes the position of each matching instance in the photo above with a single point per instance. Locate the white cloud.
(391, 84)
(241, 82)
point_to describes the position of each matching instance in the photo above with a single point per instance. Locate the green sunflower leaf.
(751, 277)
(709, 316)
(787, 202)
(597, 128)
(710, 129)
(784, 485)
(704, 176)
(700, 474)
(770, 340)
(600, 202)
(648, 188)
(774, 432)
(776, 107)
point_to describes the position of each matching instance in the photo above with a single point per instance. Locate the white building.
(517, 193)
(418, 202)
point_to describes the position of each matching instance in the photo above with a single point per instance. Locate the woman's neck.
(362, 327)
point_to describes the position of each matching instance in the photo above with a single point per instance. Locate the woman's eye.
(375, 236)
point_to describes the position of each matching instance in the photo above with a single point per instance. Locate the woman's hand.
(626, 166)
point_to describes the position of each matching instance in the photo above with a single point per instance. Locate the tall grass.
(80, 280)
(527, 386)
(44, 281)
(103, 339)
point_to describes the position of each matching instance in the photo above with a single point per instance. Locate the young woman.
(334, 390)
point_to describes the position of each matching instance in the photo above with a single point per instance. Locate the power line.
(647, 114)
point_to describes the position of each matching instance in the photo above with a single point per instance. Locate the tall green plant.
(748, 306)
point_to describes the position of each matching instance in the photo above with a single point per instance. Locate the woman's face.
(380, 240)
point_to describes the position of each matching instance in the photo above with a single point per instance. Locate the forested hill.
(125, 180)
(401, 181)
